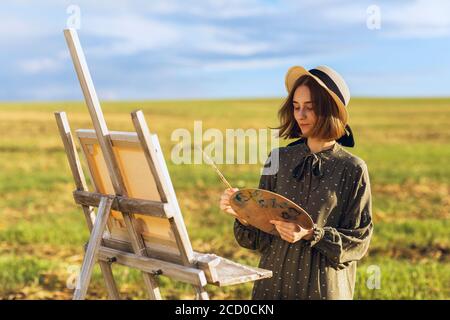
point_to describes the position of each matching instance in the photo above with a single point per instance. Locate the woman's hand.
(225, 204)
(292, 232)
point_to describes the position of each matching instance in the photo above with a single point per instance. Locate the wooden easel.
(168, 253)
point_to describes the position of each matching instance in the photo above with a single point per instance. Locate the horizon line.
(218, 98)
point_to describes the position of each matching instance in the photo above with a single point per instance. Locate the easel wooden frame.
(195, 268)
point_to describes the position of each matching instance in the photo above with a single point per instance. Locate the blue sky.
(176, 49)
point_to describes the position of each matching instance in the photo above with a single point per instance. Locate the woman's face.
(303, 110)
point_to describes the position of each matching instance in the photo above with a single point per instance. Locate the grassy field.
(405, 143)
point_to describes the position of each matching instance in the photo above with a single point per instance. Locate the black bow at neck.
(309, 161)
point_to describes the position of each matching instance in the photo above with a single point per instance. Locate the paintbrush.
(211, 162)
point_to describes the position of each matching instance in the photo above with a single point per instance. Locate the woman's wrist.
(309, 235)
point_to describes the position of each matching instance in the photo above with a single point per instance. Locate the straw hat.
(333, 83)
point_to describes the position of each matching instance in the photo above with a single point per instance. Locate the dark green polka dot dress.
(333, 187)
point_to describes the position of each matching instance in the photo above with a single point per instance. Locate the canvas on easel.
(140, 183)
(138, 223)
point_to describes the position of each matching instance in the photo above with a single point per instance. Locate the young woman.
(326, 180)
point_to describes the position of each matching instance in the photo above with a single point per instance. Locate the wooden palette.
(259, 206)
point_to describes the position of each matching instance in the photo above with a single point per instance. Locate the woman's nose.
(302, 113)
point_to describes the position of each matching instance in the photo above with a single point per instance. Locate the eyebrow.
(305, 102)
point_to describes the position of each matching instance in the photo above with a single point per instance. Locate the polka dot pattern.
(339, 203)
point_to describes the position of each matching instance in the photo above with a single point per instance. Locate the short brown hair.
(331, 120)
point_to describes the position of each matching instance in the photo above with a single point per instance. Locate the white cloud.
(17, 29)
(411, 19)
(260, 63)
(108, 94)
(213, 39)
(422, 19)
(257, 64)
(45, 64)
(227, 9)
(38, 65)
(130, 33)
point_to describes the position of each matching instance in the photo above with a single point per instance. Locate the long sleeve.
(350, 240)
(248, 236)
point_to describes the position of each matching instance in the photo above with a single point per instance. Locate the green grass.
(405, 143)
(401, 279)
(65, 229)
(17, 273)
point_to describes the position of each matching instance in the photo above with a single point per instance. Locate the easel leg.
(111, 288)
(113, 293)
(80, 181)
(92, 249)
(201, 294)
